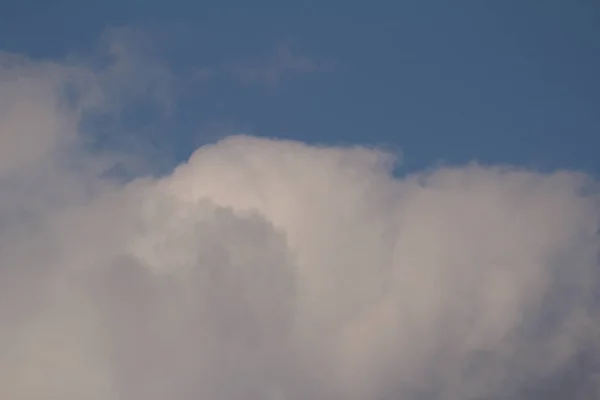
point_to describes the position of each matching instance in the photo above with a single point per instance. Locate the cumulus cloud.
(270, 269)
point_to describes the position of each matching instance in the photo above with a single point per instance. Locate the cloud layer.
(269, 269)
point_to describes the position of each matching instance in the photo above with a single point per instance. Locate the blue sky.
(511, 82)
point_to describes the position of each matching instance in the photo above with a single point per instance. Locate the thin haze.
(272, 269)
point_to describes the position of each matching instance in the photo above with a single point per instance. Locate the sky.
(510, 82)
(268, 202)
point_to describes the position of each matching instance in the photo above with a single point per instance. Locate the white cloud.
(272, 269)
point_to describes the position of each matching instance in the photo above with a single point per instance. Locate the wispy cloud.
(284, 62)
(203, 73)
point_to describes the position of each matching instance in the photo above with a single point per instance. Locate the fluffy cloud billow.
(271, 269)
